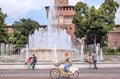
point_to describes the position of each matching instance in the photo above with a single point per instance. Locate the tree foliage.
(92, 23)
(23, 29)
(3, 30)
(26, 26)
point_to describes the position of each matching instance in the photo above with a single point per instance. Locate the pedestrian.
(94, 57)
(29, 60)
(34, 61)
(89, 59)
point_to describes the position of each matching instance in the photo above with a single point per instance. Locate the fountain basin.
(47, 54)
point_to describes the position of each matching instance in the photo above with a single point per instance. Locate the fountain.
(82, 53)
(99, 52)
(50, 43)
(47, 39)
(101, 55)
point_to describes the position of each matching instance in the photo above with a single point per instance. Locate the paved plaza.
(106, 70)
(85, 73)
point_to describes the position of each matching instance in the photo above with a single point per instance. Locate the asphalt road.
(85, 73)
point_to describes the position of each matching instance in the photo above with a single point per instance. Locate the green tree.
(26, 27)
(94, 24)
(23, 29)
(19, 41)
(3, 30)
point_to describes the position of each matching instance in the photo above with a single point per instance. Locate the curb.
(49, 66)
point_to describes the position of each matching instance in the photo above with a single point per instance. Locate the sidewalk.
(49, 65)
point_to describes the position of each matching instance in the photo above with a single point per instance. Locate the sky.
(35, 9)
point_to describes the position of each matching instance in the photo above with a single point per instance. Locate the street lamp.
(114, 28)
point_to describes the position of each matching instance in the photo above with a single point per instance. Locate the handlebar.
(57, 64)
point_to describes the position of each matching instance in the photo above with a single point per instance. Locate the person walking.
(94, 60)
(29, 60)
(90, 60)
(34, 61)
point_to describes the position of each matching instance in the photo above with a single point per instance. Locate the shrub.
(109, 51)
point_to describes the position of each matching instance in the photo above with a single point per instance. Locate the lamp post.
(114, 28)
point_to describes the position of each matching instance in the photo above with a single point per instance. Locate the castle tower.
(61, 2)
(65, 13)
(113, 37)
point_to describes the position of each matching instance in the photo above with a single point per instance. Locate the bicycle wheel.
(74, 75)
(55, 73)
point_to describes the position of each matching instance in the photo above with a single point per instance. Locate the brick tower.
(65, 13)
(113, 37)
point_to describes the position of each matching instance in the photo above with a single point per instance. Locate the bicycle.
(57, 72)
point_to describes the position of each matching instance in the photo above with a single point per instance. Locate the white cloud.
(18, 8)
(117, 19)
(73, 2)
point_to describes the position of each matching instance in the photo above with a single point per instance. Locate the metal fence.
(8, 53)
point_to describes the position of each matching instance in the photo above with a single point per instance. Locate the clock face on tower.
(61, 0)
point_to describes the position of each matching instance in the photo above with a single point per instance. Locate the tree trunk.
(0, 49)
(94, 43)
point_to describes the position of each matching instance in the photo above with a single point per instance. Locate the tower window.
(64, 8)
(66, 28)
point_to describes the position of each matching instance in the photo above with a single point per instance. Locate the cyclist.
(67, 62)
